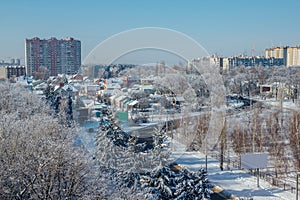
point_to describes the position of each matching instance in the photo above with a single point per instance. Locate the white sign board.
(254, 160)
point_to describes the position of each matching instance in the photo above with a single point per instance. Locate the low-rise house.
(178, 100)
(132, 105)
(104, 95)
(155, 98)
(77, 77)
(123, 103)
(92, 90)
(118, 101)
(128, 81)
(65, 90)
(112, 99)
(148, 89)
(112, 86)
(147, 81)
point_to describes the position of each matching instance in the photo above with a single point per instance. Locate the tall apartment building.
(52, 56)
(252, 61)
(7, 72)
(227, 63)
(290, 55)
(293, 56)
(275, 52)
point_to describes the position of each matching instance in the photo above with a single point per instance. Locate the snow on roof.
(69, 87)
(110, 92)
(179, 99)
(170, 98)
(56, 87)
(92, 88)
(132, 103)
(147, 87)
(38, 92)
(88, 102)
(113, 97)
(113, 86)
(120, 98)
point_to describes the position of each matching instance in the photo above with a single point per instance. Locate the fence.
(286, 183)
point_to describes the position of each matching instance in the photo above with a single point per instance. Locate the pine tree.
(223, 145)
(163, 183)
(69, 110)
(47, 91)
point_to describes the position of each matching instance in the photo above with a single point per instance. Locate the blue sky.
(225, 27)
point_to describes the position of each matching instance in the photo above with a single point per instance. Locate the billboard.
(254, 160)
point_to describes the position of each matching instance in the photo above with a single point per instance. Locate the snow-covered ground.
(237, 182)
(286, 104)
(87, 137)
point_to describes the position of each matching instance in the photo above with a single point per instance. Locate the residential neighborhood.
(150, 100)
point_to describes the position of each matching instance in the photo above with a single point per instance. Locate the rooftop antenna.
(252, 51)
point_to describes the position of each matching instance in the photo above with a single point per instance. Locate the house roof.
(113, 86)
(69, 87)
(132, 103)
(180, 99)
(120, 98)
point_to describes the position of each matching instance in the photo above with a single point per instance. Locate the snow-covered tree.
(275, 137)
(143, 173)
(295, 139)
(38, 157)
(163, 183)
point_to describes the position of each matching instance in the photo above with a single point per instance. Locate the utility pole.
(297, 187)
(258, 177)
(206, 153)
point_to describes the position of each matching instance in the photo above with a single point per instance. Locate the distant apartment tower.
(228, 63)
(13, 62)
(252, 61)
(290, 55)
(52, 56)
(8, 72)
(275, 52)
(293, 56)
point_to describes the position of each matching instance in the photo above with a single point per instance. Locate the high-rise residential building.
(275, 52)
(52, 56)
(252, 61)
(228, 63)
(8, 72)
(290, 55)
(293, 56)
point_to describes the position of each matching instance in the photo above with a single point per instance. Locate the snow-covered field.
(286, 104)
(237, 182)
